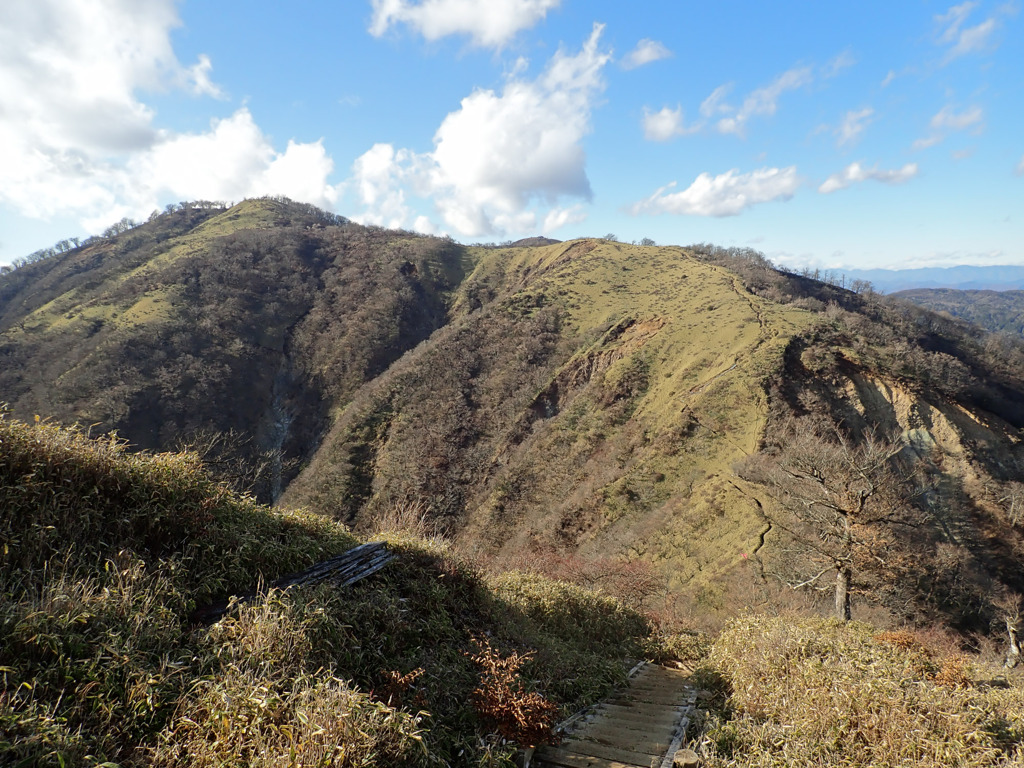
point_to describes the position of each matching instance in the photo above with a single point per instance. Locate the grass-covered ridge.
(105, 554)
(587, 396)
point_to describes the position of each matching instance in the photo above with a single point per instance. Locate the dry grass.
(263, 707)
(105, 554)
(822, 693)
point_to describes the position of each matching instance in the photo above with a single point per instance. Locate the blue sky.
(825, 134)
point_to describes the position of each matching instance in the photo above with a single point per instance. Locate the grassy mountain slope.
(588, 395)
(104, 554)
(1001, 311)
(257, 320)
(594, 397)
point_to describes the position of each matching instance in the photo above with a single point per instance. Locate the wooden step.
(640, 727)
(563, 759)
(623, 755)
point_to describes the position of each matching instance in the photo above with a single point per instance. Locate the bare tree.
(1011, 497)
(1010, 611)
(841, 503)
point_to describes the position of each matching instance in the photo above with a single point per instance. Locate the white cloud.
(1020, 166)
(728, 194)
(199, 75)
(231, 161)
(763, 101)
(952, 20)
(498, 154)
(974, 39)
(489, 24)
(645, 52)
(557, 218)
(927, 141)
(75, 140)
(889, 78)
(853, 125)
(379, 175)
(947, 120)
(844, 60)
(665, 124)
(962, 39)
(855, 173)
(715, 103)
(424, 225)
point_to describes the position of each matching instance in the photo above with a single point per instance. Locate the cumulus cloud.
(557, 218)
(962, 39)
(490, 24)
(380, 175)
(665, 124)
(645, 52)
(500, 153)
(75, 140)
(855, 173)
(762, 101)
(728, 194)
(947, 120)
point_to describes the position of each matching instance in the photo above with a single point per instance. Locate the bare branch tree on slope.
(844, 504)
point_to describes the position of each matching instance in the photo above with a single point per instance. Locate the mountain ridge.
(590, 397)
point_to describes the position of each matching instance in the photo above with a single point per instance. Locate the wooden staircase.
(642, 726)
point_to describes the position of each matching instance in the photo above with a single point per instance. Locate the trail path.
(642, 726)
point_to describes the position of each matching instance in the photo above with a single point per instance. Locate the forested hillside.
(664, 409)
(1000, 311)
(251, 322)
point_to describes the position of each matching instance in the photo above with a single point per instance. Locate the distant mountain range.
(993, 278)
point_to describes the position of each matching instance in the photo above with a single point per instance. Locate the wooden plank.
(652, 713)
(330, 565)
(628, 738)
(369, 570)
(677, 742)
(596, 749)
(659, 685)
(549, 756)
(634, 741)
(346, 568)
(626, 701)
(630, 724)
(673, 698)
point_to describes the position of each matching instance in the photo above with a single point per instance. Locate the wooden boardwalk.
(642, 726)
